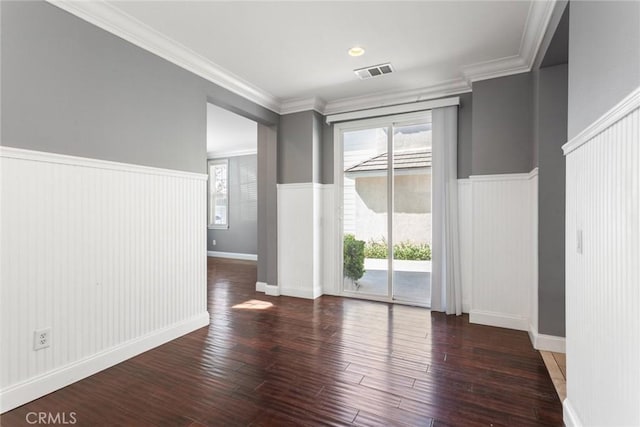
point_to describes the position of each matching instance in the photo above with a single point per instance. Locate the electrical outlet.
(213, 242)
(41, 338)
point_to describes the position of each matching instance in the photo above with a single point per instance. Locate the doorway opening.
(386, 223)
(232, 165)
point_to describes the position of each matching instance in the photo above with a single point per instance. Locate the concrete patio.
(412, 280)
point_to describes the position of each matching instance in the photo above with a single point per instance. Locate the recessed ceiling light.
(356, 51)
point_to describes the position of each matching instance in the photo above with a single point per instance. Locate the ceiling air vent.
(373, 71)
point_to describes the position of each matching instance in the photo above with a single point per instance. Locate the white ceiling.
(229, 134)
(292, 55)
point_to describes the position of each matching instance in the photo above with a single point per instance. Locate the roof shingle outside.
(413, 159)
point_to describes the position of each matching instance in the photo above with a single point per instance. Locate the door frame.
(338, 161)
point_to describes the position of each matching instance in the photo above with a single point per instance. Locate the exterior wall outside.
(412, 220)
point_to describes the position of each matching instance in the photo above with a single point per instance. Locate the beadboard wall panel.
(104, 254)
(465, 221)
(330, 243)
(502, 249)
(299, 250)
(603, 276)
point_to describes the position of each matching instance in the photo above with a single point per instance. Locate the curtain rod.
(393, 109)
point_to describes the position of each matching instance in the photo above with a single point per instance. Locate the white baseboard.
(500, 320)
(272, 290)
(569, 415)
(260, 286)
(21, 393)
(301, 293)
(542, 342)
(233, 255)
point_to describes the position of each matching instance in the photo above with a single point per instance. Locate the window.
(218, 193)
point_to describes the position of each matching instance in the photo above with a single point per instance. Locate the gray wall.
(465, 131)
(552, 131)
(267, 205)
(316, 140)
(502, 135)
(242, 234)
(327, 153)
(604, 58)
(300, 147)
(295, 148)
(69, 87)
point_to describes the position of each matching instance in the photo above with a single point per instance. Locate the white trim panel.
(603, 271)
(299, 244)
(502, 249)
(260, 286)
(105, 254)
(465, 218)
(232, 255)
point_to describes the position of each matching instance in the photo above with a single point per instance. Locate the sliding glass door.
(386, 208)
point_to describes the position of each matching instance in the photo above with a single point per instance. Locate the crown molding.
(450, 87)
(289, 106)
(540, 13)
(495, 68)
(538, 18)
(110, 18)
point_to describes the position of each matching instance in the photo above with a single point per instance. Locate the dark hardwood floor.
(333, 361)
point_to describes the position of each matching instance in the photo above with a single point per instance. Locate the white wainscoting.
(603, 276)
(465, 222)
(533, 291)
(299, 245)
(502, 249)
(330, 243)
(110, 256)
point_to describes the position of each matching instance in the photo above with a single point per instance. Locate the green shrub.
(404, 250)
(376, 250)
(412, 251)
(353, 257)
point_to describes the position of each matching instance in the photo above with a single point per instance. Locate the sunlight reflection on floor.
(254, 304)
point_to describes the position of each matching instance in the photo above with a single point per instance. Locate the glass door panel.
(365, 212)
(411, 219)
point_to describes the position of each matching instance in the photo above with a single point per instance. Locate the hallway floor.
(333, 361)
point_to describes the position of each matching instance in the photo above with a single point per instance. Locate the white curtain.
(446, 285)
